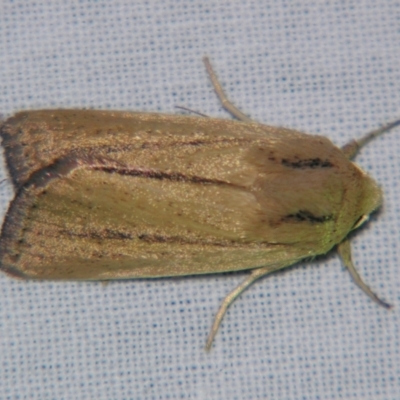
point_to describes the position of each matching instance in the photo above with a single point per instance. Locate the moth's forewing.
(152, 195)
(96, 225)
(36, 139)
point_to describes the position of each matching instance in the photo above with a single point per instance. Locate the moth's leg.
(344, 251)
(226, 103)
(230, 298)
(350, 149)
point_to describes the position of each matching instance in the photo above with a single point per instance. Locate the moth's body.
(106, 195)
(116, 195)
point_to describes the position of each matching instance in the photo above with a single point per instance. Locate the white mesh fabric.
(309, 333)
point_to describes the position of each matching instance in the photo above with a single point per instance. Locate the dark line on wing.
(178, 143)
(160, 175)
(307, 163)
(81, 160)
(151, 238)
(307, 216)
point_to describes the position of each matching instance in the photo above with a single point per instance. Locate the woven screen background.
(323, 67)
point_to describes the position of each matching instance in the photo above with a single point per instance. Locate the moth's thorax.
(309, 195)
(363, 197)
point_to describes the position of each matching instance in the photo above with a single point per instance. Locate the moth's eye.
(360, 221)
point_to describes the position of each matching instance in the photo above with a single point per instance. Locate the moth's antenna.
(350, 149)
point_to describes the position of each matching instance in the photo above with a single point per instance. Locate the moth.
(103, 195)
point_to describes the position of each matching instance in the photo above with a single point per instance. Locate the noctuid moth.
(103, 195)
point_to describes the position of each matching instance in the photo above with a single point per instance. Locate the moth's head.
(369, 199)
